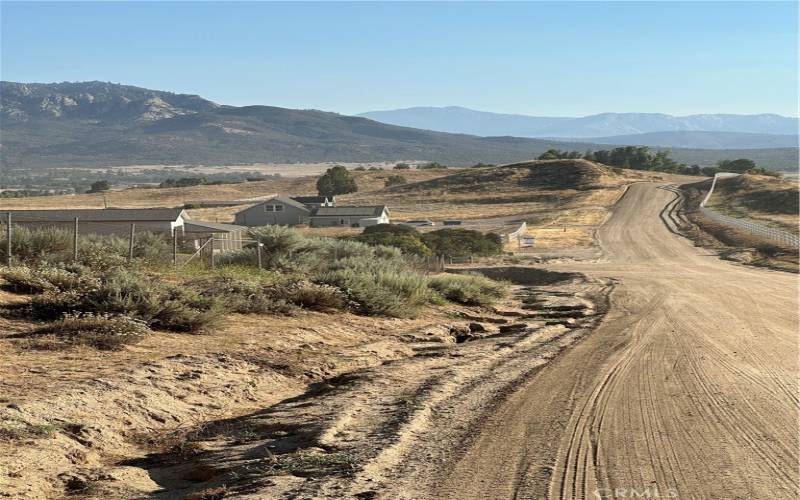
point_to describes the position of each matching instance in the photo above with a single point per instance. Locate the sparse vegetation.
(395, 180)
(378, 288)
(102, 331)
(468, 289)
(109, 306)
(16, 429)
(34, 245)
(316, 297)
(312, 464)
(122, 292)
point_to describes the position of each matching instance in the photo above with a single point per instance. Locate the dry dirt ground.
(178, 414)
(688, 389)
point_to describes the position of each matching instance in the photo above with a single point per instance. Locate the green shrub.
(122, 292)
(102, 331)
(403, 237)
(462, 243)
(379, 288)
(185, 310)
(395, 180)
(317, 297)
(279, 244)
(24, 280)
(243, 257)
(245, 296)
(469, 289)
(48, 278)
(406, 243)
(37, 244)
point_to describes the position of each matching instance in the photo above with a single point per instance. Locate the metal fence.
(769, 233)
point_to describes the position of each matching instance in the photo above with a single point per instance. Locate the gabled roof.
(280, 199)
(96, 214)
(318, 200)
(195, 226)
(343, 211)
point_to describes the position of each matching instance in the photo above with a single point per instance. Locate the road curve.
(688, 389)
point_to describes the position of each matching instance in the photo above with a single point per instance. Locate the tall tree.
(336, 180)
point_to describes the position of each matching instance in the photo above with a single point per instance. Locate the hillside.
(104, 124)
(536, 175)
(468, 121)
(95, 123)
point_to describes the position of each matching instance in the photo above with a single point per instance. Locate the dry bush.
(317, 297)
(468, 289)
(101, 331)
(121, 292)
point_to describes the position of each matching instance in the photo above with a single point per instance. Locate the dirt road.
(687, 390)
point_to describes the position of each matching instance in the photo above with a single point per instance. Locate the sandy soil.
(687, 389)
(83, 423)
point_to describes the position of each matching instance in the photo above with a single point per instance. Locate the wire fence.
(769, 233)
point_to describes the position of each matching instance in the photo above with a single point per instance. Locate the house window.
(273, 208)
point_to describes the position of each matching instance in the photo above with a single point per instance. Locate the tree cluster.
(449, 242)
(642, 158)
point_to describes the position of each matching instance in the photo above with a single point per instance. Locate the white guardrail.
(769, 233)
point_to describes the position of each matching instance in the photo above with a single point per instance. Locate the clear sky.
(556, 59)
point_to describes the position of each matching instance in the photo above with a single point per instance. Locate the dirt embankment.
(269, 404)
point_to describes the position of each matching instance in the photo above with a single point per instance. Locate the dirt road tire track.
(688, 388)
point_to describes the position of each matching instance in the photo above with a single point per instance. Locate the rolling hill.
(105, 124)
(534, 175)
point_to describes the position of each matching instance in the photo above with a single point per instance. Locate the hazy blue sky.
(531, 58)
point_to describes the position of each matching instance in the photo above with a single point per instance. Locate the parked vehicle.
(419, 223)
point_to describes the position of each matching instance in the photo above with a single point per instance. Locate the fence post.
(258, 252)
(75, 242)
(175, 247)
(130, 242)
(8, 239)
(211, 241)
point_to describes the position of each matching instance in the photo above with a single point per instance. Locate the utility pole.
(258, 252)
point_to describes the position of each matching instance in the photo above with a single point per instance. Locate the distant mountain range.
(106, 124)
(702, 140)
(623, 127)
